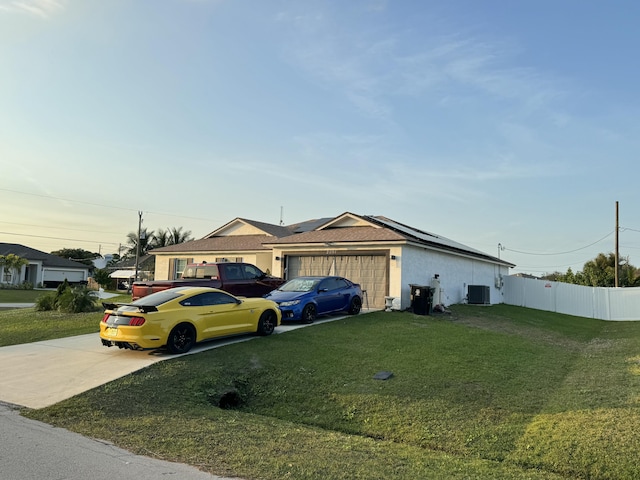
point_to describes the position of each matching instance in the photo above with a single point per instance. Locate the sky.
(510, 127)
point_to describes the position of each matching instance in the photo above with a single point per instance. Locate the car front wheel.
(181, 338)
(267, 323)
(309, 313)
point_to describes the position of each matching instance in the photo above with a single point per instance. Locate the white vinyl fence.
(591, 302)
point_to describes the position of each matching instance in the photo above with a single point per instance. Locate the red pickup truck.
(240, 279)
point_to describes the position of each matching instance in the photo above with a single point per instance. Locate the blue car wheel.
(309, 313)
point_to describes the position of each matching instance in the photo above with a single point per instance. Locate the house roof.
(343, 234)
(348, 227)
(219, 244)
(32, 254)
(127, 263)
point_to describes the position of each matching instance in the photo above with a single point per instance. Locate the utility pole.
(138, 244)
(617, 253)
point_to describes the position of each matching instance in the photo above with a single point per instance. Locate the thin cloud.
(38, 8)
(371, 67)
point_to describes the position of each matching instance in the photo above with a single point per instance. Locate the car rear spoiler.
(142, 308)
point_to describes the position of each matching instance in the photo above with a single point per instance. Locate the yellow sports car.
(179, 317)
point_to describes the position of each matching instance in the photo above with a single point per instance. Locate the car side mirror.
(322, 290)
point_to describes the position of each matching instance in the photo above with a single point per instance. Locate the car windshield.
(159, 298)
(300, 285)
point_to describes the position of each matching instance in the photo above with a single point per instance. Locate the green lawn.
(14, 295)
(24, 325)
(487, 392)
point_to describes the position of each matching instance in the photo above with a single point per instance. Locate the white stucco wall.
(456, 273)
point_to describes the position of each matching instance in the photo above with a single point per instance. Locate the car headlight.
(290, 303)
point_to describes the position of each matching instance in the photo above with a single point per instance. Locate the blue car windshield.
(300, 285)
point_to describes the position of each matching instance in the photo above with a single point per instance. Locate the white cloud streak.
(38, 8)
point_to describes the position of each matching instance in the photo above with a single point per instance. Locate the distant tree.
(151, 240)
(77, 255)
(600, 272)
(178, 236)
(161, 239)
(553, 277)
(146, 242)
(101, 276)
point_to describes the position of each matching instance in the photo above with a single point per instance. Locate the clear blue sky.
(488, 122)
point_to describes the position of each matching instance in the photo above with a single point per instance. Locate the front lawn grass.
(25, 325)
(16, 295)
(487, 392)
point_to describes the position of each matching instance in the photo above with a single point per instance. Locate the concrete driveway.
(36, 375)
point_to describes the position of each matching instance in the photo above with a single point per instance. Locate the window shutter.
(172, 268)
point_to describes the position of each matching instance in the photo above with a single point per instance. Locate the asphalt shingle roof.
(47, 259)
(219, 244)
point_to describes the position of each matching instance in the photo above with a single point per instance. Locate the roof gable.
(243, 226)
(346, 220)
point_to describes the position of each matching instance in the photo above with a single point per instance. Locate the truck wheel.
(267, 323)
(355, 306)
(181, 338)
(309, 313)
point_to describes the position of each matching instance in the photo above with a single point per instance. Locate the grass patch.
(492, 392)
(14, 295)
(25, 325)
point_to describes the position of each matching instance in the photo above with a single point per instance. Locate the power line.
(57, 227)
(559, 253)
(105, 206)
(58, 238)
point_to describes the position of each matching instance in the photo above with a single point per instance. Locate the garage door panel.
(370, 271)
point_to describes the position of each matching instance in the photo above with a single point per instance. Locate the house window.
(178, 267)
(224, 259)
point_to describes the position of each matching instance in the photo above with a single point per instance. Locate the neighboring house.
(43, 268)
(384, 256)
(125, 270)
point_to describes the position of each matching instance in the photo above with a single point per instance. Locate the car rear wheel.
(355, 306)
(309, 313)
(267, 323)
(181, 338)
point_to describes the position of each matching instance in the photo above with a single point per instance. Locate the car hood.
(279, 296)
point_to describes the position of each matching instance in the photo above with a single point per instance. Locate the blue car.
(304, 298)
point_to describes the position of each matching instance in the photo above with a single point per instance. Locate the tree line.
(149, 239)
(600, 272)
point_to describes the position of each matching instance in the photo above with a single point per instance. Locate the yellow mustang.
(179, 317)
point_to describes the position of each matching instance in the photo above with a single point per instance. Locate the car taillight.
(136, 321)
(105, 318)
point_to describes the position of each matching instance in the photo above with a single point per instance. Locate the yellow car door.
(224, 315)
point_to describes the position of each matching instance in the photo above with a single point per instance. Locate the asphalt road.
(31, 450)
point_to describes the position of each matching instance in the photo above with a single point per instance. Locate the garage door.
(370, 271)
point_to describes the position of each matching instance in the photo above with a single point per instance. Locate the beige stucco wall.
(262, 260)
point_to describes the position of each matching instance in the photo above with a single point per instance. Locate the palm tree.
(146, 242)
(161, 239)
(178, 236)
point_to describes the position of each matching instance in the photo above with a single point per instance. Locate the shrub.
(77, 300)
(46, 302)
(68, 300)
